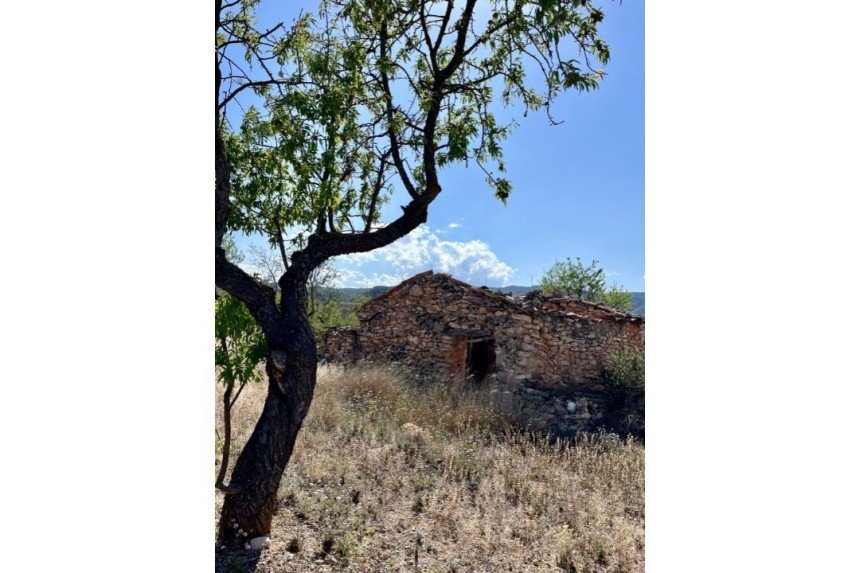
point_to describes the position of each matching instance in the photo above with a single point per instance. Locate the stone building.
(441, 326)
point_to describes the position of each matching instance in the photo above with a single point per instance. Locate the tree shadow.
(236, 561)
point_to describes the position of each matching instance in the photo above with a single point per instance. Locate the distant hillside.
(348, 294)
(639, 303)
(515, 290)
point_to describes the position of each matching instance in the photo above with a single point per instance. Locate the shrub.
(566, 548)
(624, 380)
(616, 297)
(627, 371)
(585, 282)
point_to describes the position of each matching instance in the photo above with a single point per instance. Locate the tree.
(322, 310)
(239, 349)
(343, 111)
(231, 250)
(326, 315)
(618, 298)
(320, 284)
(574, 279)
(268, 265)
(585, 282)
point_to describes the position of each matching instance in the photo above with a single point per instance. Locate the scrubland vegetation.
(394, 474)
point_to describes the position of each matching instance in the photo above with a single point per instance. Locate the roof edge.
(614, 313)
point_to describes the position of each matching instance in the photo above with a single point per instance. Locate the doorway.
(480, 359)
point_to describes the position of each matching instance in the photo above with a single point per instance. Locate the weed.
(383, 454)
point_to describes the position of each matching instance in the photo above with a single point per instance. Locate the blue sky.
(578, 187)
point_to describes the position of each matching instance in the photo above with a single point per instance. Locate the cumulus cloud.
(454, 225)
(348, 277)
(423, 249)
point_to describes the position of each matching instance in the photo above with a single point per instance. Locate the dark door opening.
(480, 359)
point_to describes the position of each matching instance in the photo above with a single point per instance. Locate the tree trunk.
(292, 370)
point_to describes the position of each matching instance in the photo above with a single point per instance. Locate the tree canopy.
(365, 99)
(587, 282)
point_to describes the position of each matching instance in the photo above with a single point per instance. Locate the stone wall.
(339, 345)
(427, 322)
(553, 413)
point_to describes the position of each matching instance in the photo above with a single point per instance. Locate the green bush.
(627, 371)
(330, 313)
(239, 343)
(586, 282)
(624, 380)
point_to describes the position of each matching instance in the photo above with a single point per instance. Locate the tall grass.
(388, 468)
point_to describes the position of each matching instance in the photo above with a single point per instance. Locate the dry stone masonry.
(443, 327)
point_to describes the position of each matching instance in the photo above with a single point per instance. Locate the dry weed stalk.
(382, 456)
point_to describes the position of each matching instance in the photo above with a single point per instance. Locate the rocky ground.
(392, 476)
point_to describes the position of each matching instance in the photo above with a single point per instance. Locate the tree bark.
(292, 368)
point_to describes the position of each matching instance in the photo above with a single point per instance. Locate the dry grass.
(384, 466)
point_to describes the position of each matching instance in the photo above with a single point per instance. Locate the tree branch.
(389, 112)
(259, 299)
(225, 448)
(444, 25)
(322, 247)
(281, 247)
(243, 87)
(460, 44)
(377, 188)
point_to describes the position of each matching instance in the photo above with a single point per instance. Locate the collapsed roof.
(533, 302)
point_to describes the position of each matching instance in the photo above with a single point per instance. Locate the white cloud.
(355, 278)
(454, 225)
(423, 249)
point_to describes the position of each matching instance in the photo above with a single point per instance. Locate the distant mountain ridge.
(349, 294)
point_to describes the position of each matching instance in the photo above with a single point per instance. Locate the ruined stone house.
(438, 325)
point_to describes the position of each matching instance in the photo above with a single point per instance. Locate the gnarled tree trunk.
(292, 369)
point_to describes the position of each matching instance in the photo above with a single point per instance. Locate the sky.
(578, 187)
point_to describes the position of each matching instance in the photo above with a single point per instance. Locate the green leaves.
(461, 127)
(239, 343)
(585, 282)
(377, 96)
(617, 298)
(303, 153)
(574, 279)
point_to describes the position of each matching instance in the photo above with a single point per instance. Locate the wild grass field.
(390, 474)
